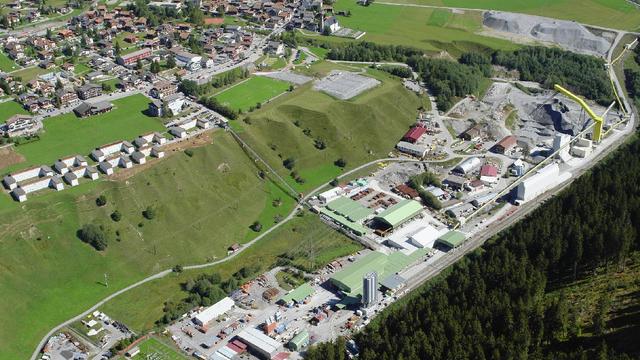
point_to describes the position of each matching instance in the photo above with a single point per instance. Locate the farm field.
(358, 130)
(432, 30)
(141, 307)
(44, 263)
(617, 14)
(10, 108)
(124, 122)
(6, 64)
(257, 89)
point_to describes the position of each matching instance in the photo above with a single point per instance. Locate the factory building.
(414, 134)
(213, 312)
(451, 239)
(369, 289)
(399, 213)
(467, 165)
(262, 345)
(412, 149)
(504, 145)
(543, 180)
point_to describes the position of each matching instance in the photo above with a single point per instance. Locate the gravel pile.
(567, 34)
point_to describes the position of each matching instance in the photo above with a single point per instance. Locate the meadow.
(617, 14)
(66, 135)
(30, 73)
(432, 30)
(204, 203)
(10, 108)
(257, 89)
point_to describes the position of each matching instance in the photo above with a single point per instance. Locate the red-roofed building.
(505, 144)
(489, 173)
(414, 134)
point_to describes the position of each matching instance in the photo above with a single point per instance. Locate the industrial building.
(213, 312)
(504, 145)
(399, 213)
(412, 149)
(544, 179)
(369, 289)
(259, 343)
(414, 134)
(299, 341)
(347, 213)
(467, 165)
(349, 280)
(451, 239)
(297, 295)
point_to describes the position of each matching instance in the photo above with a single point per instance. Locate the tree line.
(191, 88)
(448, 79)
(496, 302)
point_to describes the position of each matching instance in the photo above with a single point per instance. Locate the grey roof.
(8, 179)
(81, 158)
(97, 152)
(18, 192)
(105, 165)
(46, 168)
(127, 144)
(393, 282)
(91, 170)
(137, 156)
(140, 142)
(56, 180)
(70, 176)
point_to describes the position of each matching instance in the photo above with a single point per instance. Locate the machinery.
(598, 120)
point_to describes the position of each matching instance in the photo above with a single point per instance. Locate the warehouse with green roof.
(452, 239)
(349, 280)
(348, 214)
(297, 295)
(399, 213)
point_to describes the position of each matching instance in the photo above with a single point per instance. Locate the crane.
(597, 120)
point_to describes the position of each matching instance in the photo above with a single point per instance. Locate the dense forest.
(632, 76)
(583, 74)
(371, 52)
(499, 302)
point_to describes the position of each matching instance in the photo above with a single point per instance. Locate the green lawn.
(359, 130)
(81, 69)
(257, 89)
(432, 30)
(68, 135)
(306, 237)
(204, 204)
(618, 14)
(153, 348)
(28, 74)
(7, 64)
(10, 108)
(318, 51)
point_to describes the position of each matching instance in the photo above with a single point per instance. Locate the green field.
(359, 130)
(66, 134)
(306, 237)
(6, 64)
(10, 108)
(28, 74)
(617, 14)
(155, 349)
(257, 89)
(204, 204)
(81, 69)
(432, 30)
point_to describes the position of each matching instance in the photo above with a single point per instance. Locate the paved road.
(468, 246)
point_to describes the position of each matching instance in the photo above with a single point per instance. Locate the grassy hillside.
(204, 204)
(432, 30)
(302, 236)
(66, 135)
(358, 130)
(617, 14)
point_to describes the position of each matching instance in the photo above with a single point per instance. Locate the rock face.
(567, 34)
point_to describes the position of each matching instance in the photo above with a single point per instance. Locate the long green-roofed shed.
(451, 239)
(350, 209)
(298, 294)
(299, 341)
(343, 221)
(399, 213)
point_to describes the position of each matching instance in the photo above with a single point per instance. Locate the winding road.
(477, 241)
